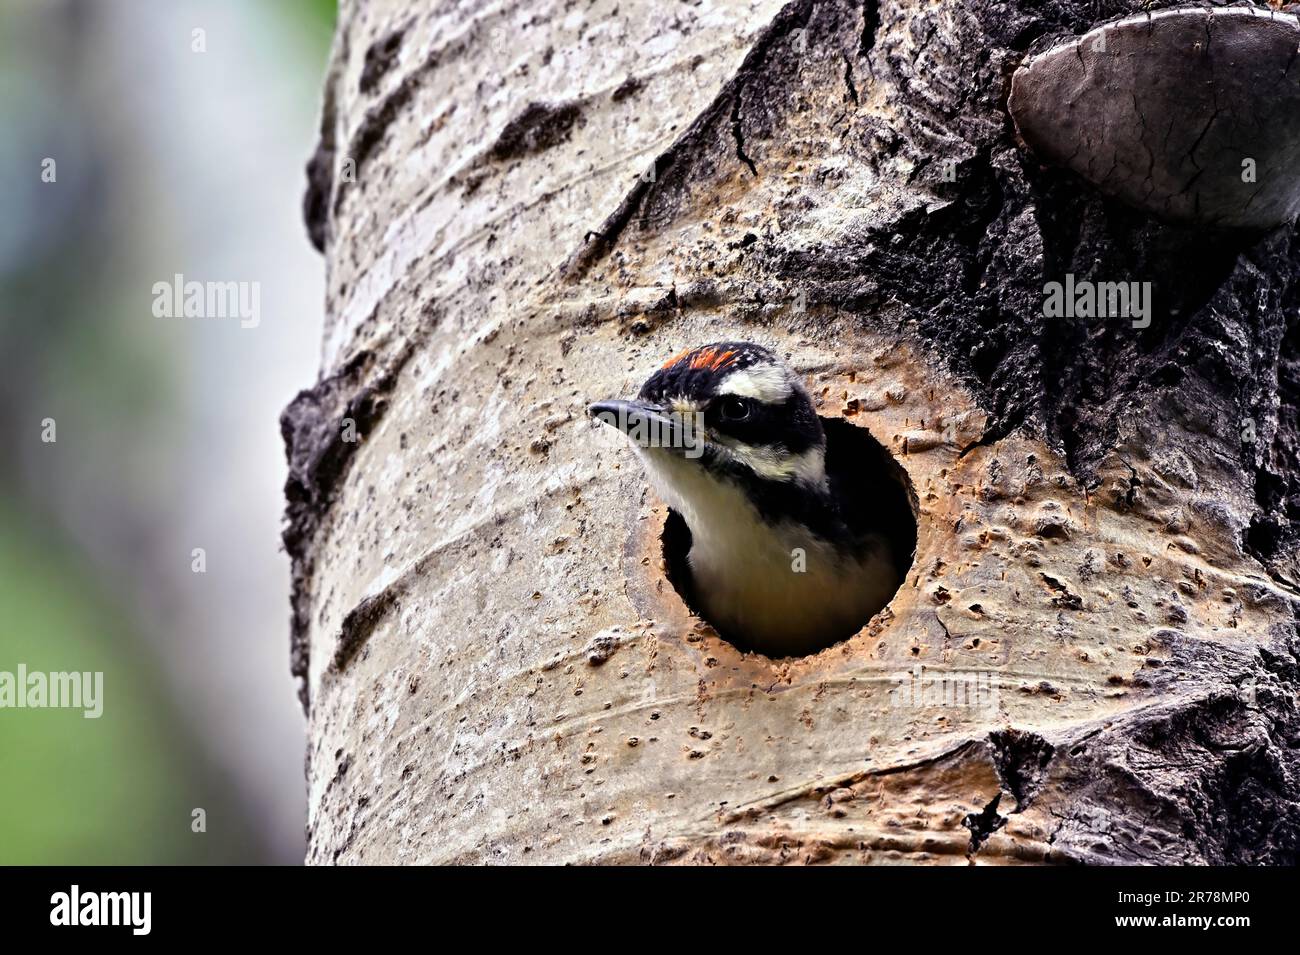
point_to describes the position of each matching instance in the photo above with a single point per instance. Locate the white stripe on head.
(768, 383)
(776, 464)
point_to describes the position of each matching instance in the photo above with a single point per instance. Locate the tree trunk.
(530, 206)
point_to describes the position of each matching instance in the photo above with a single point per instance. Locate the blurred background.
(167, 159)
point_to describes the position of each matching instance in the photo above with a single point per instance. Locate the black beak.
(649, 425)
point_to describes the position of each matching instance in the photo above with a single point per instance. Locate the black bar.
(869, 904)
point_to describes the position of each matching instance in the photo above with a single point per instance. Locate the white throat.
(779, 586)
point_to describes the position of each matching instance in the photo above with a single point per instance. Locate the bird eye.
(734, 409)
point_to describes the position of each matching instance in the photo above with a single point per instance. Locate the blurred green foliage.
(117, 789)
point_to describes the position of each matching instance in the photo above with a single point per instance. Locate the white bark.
(497, 667)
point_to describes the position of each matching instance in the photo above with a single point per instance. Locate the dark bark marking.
(316, 202)
(380, 57)
(870, 24)
(312, 427)
(738, 134)
(359, 624)
(848, 79)
(983, 824)
(379, 118)
(629, 87)
(1020, 757)
(539, 127)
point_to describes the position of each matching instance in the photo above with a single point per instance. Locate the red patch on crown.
(676, 359)
(710, 359)
(713, 359)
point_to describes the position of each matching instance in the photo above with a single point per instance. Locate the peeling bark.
(550, 200)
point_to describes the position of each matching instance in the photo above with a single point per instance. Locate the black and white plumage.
(795, 541)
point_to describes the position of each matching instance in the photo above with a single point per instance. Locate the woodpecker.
(794, 544)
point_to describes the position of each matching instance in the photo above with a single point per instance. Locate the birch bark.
(525, 206)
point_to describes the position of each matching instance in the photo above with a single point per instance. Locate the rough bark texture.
(549, 199)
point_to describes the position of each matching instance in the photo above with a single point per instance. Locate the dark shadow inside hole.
(871, 486)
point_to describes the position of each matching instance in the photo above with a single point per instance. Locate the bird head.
(730, 411)
(786, 553)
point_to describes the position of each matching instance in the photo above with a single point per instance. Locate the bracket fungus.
(1190, 113)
